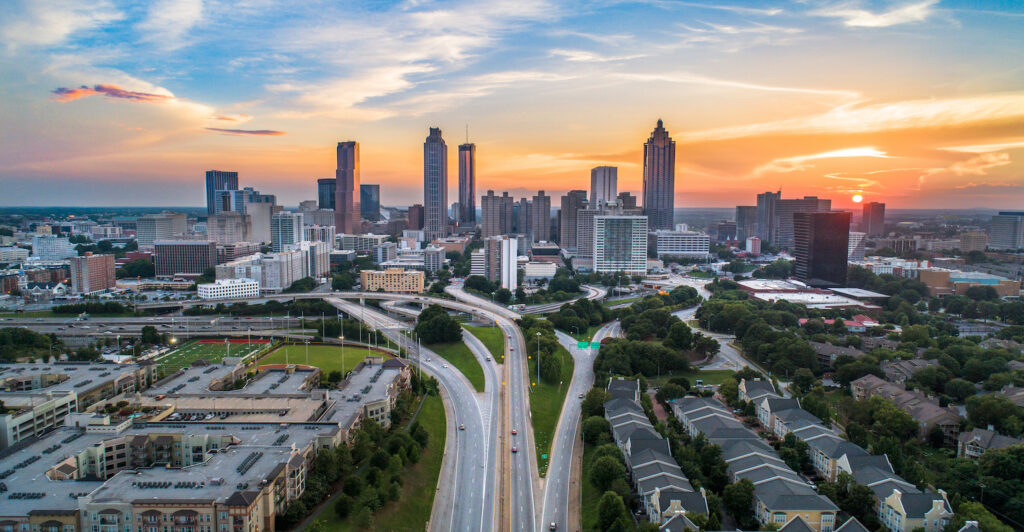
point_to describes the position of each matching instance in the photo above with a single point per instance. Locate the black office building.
(369, 206)
(218, 180)
(325, 191)
(821, 245)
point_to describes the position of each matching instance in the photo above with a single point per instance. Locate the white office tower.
(620, 244)
(478, 262)
(285, 230)
(682, 244)
(52, 247)
(604, 185)
(856, 247)
(501, 254)
(318, 233)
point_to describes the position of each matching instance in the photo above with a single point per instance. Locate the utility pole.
(538, 357)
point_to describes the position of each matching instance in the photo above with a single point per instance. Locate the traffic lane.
(523, 463)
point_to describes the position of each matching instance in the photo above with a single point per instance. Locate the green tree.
(610, 510)
(596, 430)
(738, 500)
(604, 471)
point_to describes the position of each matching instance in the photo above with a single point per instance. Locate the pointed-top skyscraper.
(659, 179)
(346, 199)
(435, 186)
(467, 184)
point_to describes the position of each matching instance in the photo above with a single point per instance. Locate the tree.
(670, 391)
(803, 379)
(503, 295)
(610, 510)
(996, 410)
(596, 430)
(738, 499)
(974, 511)
(434, 325)
(679, 336)
(150, 336)
(593, 403)
(604, 471)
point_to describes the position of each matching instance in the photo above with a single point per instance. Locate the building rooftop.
(23, 384)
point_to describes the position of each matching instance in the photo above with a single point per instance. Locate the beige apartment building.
(392, 280)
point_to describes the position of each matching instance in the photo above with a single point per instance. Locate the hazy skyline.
(919, 104)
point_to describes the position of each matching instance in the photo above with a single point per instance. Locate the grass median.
(590, 496)
(493, 338)
(459, 355)
(546, 402)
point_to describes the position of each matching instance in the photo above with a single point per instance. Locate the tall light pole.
(538, 357)
(307, 352)
(342, 339)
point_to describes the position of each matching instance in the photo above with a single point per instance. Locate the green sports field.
(212, 352)
(325, 357)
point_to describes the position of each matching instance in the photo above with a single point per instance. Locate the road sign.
(544, 456)
(595, 345)
(582, 344)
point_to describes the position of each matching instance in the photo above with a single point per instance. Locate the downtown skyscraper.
(872, 220)
(346, 199)
(467, 184)
(435, 185)
(604, 185)
(659, 178)
(218, 180)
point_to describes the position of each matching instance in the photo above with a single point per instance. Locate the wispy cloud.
(697, 79)
(168, 22)
(254, 132)
(38, 23)
(588, 56)
(241, 117)
(861, 117)
(739, 10)
(862, 18)
(64, 94)
(985, 148)
(801, 162)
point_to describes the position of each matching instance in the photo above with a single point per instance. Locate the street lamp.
(342, 340)
(538, 356)
(307, 352)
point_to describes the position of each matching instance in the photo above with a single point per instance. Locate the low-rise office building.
(392, 280)
(228, 289)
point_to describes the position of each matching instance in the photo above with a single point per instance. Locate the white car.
(444, 366)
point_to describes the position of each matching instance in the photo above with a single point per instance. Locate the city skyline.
(900, 101)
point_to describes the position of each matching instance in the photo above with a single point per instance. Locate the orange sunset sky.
(919, 104)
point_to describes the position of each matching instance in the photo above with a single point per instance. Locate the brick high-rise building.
(496, 214)
(346, 193)
(659, 179)
(416, 217)
(92, 273)
(540, 217)
(572, 202)
(873, 219)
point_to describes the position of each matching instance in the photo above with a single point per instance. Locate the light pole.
(342, 339)
(538, 356)
(307, 352)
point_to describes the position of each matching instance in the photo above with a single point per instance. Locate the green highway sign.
(582, 345)
(595, 345)
(544, 456)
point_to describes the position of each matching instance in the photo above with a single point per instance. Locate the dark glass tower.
(346, 199)
(325, 192)
(435, 185)
(467, 184)
(369, 202)
(821, 245)
(659, 179)
(218, 180)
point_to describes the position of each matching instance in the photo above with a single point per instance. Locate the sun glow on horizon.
(857, 198)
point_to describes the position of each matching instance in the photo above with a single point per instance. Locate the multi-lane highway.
(465, 498)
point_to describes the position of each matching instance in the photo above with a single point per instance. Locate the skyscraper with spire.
(467, 184)
(435, 185)
(659, 179)
(346, 191)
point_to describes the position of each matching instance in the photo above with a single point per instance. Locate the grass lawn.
(616, 302)
(590, 496)
(587, 334)
(325, 357)
(459, 355)
(709, 376)
(419, 485)
(492, 338)
(212, 352)
(546, 405)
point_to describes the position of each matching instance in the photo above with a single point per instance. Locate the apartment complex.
(620, 244)
(188, 257)
(688, 244)
(392, 280)
(92, 273)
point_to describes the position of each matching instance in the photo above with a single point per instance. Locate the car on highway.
(488, 359)
(553, 526)
(514, 432)
(580, 396)
(462, 427)
(515, 449)
(445, 366)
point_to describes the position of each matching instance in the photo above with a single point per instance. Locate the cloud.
(860, 117)
(64, 94)
(256, 132)
(697, 79)
(739, 10)
(980, 165)
(1000, 184)
(241, 117)
(587, 56)
(799, 162)
(38, 23)
(862, 18)
(985, 148)
(168, 22)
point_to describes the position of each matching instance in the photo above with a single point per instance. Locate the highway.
(592, 293)
(519, 505)
(465, 490)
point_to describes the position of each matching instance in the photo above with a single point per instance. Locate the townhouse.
(665, 492)
(973, 444)
(780, 494)
(925, 410)
(900, 505)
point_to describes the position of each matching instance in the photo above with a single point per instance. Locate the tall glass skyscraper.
(346, 199)
(218, 180)
(369, 202)
(467, 184)
(604, 185)
(326, 189)
(435, 185)
(659, 178)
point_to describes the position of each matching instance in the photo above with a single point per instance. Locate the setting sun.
(857, 198)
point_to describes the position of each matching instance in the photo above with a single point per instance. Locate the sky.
(916, 103)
